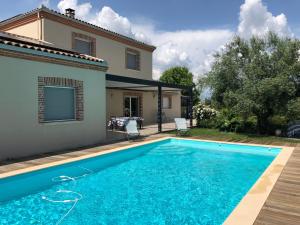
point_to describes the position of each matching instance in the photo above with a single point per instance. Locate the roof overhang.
(18, 48)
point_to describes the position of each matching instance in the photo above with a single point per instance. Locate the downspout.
(41, 32)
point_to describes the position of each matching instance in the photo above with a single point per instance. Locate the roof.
(12, 42)
(78, 21)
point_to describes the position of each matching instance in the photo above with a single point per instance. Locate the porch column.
(191, 106)
(159, 111)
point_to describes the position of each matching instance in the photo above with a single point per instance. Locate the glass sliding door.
(131, 106)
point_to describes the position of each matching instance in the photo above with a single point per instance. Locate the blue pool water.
(167, 182)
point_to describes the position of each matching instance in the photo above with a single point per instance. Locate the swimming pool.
(173, 181)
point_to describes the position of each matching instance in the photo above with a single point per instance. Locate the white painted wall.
(20, 132)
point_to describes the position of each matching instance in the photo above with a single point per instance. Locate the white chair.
(131, 129)
(181, 126)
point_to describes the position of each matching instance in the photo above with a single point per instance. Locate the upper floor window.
(132, 59)
(84, 44)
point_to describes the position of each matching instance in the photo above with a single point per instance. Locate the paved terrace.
(115, 139)
(281, 207)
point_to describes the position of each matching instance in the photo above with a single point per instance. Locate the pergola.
(130, 83)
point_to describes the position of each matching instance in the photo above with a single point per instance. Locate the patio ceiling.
(137, 87)
(116, 81)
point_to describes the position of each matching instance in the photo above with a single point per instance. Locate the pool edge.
(251, 204)
(75, 159)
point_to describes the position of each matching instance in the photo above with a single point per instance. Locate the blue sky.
(172, 14)
(185, 32)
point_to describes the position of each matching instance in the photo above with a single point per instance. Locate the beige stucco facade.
(113, 51)
(31, 30)
(21, 134)
(110, 50)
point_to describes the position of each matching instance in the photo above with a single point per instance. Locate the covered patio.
(149, 103)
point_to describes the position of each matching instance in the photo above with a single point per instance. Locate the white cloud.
(109, 19)
(191, 48)
(255, 19)
(82, 10)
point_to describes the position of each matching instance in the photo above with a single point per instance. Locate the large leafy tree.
(257, 77)
(182, 76)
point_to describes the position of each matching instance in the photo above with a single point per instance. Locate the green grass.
(214, 134)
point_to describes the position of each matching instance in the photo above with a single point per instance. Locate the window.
(167, 102)
(60, 99)
(59, 103)
(83, 46)
(132, 59)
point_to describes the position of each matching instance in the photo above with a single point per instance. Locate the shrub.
(228, 121)
(249, 125)
(204, 115)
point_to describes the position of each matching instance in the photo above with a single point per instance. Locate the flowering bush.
(202, 112)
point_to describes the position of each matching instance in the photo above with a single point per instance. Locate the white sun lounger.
(181, 126)
(131, 129)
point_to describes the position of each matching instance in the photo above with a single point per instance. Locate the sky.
(186, 33)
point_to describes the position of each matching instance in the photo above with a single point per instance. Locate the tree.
(257, 77)
(182, 76)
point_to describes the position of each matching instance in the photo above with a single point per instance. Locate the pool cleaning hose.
(64, 178)
(75, 200)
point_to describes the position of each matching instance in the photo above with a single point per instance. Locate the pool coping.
(244, 213)
(77, 158)
(251, 204)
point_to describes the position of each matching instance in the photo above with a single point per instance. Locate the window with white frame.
(166, 102)
(60, 103)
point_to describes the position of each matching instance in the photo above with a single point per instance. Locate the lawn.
(214, 134)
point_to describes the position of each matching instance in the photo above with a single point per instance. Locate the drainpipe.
(41, 36)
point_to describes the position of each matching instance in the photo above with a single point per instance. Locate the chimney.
(70, 13)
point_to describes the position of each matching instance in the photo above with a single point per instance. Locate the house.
(41, 86)
(62, 79)
(126, 57)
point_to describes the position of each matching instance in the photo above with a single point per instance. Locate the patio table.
(120, 122)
